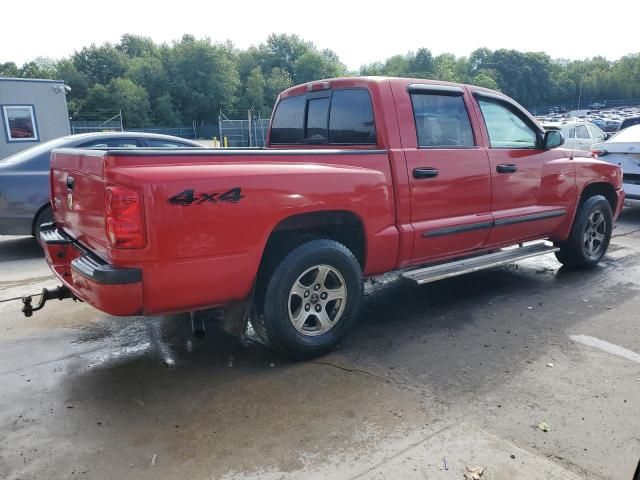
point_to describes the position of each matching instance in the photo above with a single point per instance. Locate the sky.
(359, 32)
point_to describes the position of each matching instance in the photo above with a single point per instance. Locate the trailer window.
(340, 117)
(20, 123)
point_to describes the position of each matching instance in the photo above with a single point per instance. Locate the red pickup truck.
(361, 176)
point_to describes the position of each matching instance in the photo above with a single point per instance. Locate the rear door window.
(340, 117)
(441, 120)
(596, 134)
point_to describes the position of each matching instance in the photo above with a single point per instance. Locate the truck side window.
(351, 119)
(317, 120)
(340, 117)
(579, 132)
(288, 121)
(506, 128)
(441, 120)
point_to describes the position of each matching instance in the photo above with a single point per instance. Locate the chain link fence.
(251, 132)
(248, 132)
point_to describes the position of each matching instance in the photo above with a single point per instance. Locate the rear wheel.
(44, 216)
(309, 300)
(590, 234)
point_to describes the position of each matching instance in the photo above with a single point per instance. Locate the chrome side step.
(480, 262)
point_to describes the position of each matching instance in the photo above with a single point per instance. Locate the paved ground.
(461, 370)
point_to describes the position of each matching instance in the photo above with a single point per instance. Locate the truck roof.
(346, 82)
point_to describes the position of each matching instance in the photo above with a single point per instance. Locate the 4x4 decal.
(188, 197)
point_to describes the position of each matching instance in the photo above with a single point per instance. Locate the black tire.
(585, 249)
(275, 299)
(44, 216)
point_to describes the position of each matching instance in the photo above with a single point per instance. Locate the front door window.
(506, 128)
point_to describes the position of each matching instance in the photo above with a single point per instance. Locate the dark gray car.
(24, 177)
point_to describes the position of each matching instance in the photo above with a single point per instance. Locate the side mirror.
(553, 139)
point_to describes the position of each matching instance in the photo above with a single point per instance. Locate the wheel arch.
(600, 188)
(343, 226)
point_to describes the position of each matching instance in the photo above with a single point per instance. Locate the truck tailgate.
(77, 196)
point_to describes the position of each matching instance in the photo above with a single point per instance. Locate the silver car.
(24, 177)
(623, 149)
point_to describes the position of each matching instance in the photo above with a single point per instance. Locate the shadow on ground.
(19, 248)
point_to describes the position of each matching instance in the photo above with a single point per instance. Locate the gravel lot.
(462, 370)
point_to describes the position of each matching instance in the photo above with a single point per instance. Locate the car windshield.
(629, 134)
(35, 151)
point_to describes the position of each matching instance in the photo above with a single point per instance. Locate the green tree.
(446, 68)
(314, 65)
(422, 64)
(100, 64)
(149, 72)
(479, 60)
(41, 67)
(9, 69)
(484, 80)
(277, 81)
(67, 71)
(203, 78)
(164, 113)
(282, 51)
(246, 61)
(191, 79)
(120, 94)
(255, 89)
(134, 46)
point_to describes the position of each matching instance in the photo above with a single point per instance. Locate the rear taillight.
(599, 153)
(124, 221)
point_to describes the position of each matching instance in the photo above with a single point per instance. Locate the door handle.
(425, 172)
(506, 168)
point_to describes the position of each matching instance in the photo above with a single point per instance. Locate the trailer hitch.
(59, 293)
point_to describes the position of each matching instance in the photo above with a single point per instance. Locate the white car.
(578, 134)
(623, 149)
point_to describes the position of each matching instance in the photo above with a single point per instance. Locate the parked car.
(623, 150)
(24, 177)
(361, 176)
(578, 113)
(578, 134)
(629, 121)
(611, 126)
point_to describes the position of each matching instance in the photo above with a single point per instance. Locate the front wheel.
(309, 300)
(590, 234)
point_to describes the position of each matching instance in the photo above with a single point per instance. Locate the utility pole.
(249, 115)
(580, 93)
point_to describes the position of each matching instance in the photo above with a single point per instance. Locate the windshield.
(629, 134)
(35, 151)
